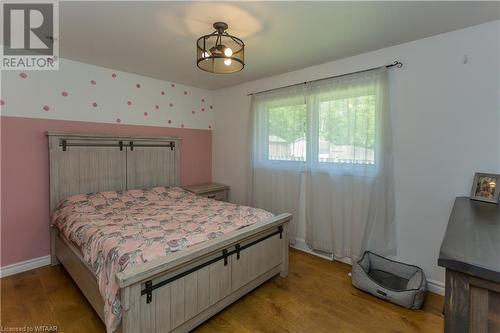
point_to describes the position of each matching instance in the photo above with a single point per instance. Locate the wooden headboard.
(87, 163)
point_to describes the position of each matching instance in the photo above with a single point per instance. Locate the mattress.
(116, 231)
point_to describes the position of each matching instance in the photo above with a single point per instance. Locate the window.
(345, 131)
(330, 124)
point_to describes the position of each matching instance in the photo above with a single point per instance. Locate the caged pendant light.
(219, 52)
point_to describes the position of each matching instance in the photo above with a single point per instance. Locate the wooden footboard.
(179, 292)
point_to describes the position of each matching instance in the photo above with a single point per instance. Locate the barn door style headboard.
(88, 163)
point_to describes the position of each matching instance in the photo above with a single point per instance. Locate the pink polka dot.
(64, 93)
(146, 114)
(94, 104)
(92, 82)
(138, 85)
(203, 100)
(114, 77)
(23, 75)
(193, 112)
(118, 120)
(162, 92)
(129, 102)
(46, 108)
(185, 93)
(170, 121)
(2, 102)
(211, 107)
(172, 85)
(202, 109)
(157, 107)
(171, 104)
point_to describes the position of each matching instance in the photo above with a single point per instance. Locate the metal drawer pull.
(237, 249)
(211, 196)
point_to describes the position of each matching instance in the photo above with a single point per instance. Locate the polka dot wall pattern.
(83, 92)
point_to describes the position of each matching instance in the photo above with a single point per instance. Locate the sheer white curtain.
(278, 153)
(350, 192)
(323, 152)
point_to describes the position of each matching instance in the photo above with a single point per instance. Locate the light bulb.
(227, 62)
(228, 52)
(205, 55)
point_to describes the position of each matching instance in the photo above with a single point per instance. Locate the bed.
(166, 260)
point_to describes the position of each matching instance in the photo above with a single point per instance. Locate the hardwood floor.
(317, 296)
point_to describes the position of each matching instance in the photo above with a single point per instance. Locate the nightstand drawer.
(216, 195)
(210, 190)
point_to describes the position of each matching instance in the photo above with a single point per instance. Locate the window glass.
(287, 133)
(346, 130)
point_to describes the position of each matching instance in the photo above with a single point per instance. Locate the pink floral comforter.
(119, 230)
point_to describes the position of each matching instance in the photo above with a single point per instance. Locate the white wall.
(446, 125)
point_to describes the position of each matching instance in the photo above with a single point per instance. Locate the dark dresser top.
(471, 243)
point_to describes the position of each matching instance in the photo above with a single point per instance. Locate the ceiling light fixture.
(220, 52)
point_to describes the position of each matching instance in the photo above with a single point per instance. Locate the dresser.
(470, 252)
(210, 190)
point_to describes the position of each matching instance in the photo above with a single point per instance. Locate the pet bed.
(387, 279)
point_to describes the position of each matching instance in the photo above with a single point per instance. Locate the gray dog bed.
(393, 281)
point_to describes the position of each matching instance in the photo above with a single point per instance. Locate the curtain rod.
(396, 63)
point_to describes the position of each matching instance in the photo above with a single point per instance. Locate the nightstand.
(210, 190)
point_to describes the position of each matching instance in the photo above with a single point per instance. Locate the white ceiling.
(157, 39)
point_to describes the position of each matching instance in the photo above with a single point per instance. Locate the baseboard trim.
(433, 286)
(24, 266)
(300, 244)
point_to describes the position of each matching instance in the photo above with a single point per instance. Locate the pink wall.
(25, 176)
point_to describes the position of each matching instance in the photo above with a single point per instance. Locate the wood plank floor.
(316, 297)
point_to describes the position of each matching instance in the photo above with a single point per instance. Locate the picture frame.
(486, 187)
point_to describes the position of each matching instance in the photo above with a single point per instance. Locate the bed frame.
(178, 292)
